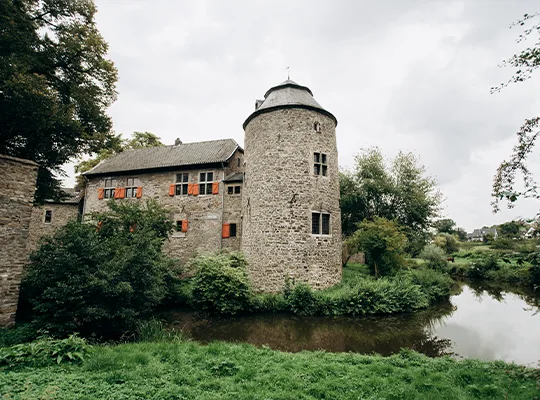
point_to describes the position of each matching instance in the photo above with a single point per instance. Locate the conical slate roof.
(288, 94)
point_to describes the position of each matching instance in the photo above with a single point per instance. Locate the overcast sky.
(410, 75)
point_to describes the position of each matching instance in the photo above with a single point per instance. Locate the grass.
(187, 370)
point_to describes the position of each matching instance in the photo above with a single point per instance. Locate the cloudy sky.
(410, 75)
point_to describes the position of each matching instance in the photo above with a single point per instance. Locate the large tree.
(525, 63)
(399, 190)
(117, 145)
(55, 85)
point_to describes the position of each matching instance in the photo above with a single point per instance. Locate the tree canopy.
(398, 190)
(445, 225)
(525, 63)
(117, 145)
(55, 85)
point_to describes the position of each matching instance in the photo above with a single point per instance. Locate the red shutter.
(190, 189)
(215, 187)
(184, 225)
(139, 192)
(195, 189)
(172, 188)
(122, 193)
(100, 193)
(226, 231)
(117, 193)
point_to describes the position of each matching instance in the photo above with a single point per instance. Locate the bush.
(100, 279)
(436, 285)
(534, 259)
(503, 244)
(269, 303)
(435, 257)
(45, 351)
(449, 243)
(221, 284)
(17, 334)
(482, 267)
(301, 300)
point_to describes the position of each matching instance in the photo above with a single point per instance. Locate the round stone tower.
(290, 202)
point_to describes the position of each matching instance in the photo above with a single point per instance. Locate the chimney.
(258, 103)
(177, 142)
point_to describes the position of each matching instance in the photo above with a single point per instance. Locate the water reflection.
(481, 322)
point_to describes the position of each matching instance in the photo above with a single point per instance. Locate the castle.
(277, 201)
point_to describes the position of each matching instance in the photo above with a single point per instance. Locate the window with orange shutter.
(226, 231)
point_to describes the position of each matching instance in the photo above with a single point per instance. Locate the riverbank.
(187, 370)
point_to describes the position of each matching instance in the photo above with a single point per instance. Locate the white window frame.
(181, 184)
(206, 182)
(108, 191)
(321, 162)
(131, 190)
(321, 213)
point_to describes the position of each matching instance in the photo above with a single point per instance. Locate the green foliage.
(510, 229)
(447, 242)
(435, 257)
(383, 243)
(535, 268)
(445, 225)
(17, 334)
(398, 191)
(301, 300)
(221, 284)
(223, 370)
(436, 285)
(269, 303)
(100, 281)
(503, 244)
(55, 85)
(483, 266)
(45, 351)
(156, 331)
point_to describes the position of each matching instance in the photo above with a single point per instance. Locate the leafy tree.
(55, 85)
(461, 234)
(100, 278)
(383, 243)
(116, 145)
(447, 242)
(525, 63)
(398, 191)
(446, 225)
(510, 229)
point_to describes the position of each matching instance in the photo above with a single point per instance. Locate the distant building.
(478, 235)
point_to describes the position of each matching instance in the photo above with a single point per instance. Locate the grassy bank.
(186, 370)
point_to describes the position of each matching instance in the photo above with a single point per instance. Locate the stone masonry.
(60, 214)
(17, 186)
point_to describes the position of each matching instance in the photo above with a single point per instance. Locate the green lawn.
(227, 371)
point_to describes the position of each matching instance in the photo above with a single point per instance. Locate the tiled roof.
(214, 151)
(288, 94)
(72, 196)
(234, 177)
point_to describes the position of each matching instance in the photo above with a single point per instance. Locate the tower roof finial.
(288, 73)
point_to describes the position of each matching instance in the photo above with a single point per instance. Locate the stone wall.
(61, 213)
(17, 186)
(204, 213)
(280, 193)
(232, 214)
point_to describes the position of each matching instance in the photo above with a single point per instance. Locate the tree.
(116, 145)
(382, 242)
(525, 63)
(461, 234)
(55, 85)
(101, 277)
(510, 229)
(447, 242)
(446, 225)
(398, 191)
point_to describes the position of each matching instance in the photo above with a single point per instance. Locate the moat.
(480, 321)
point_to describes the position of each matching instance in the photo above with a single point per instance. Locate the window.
(233, 230)
(182, 226)
(320, 164)
(110, 186)
(178, 226)
(239, 162)
(48, 216)
(182, 181)
(317, 127)
(131, 187)
(233, 189)
(320, 223)
(205, 182)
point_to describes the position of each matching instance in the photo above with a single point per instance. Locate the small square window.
(205, 182)
(230, 190)
(48, 216)
(232, 230)
(178, 226)
(237, 190)
(320, 223)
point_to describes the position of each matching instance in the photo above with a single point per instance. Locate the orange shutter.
(139, 192)
(195, 189)
(100, 193)
(226, 231)
(117, 193)
(184, 225)
(190, 189)
(122, 193)
(215, 187)
(172, 189)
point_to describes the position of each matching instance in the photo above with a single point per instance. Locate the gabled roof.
(234, 177)
(288, 94)
(196, 153)
(70, 196)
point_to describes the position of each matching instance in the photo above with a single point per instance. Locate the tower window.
(233, 230)
(48, 216)
(320, 164)
(182, 181)
(205, 182)
(320, 223)
(317, 127)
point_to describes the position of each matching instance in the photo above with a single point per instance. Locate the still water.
(485, 322)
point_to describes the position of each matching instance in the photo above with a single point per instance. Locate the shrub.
(447, 242)
(269, 302)
(100, 280)
(45, 351)
(435, 257)
(301, 300)
(480, 268)
(436, 285)
(221, 284)
(20, 333)
(503, 244)
(534, 259)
